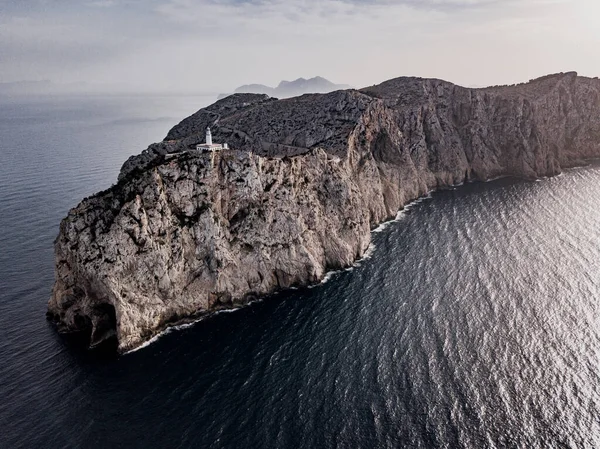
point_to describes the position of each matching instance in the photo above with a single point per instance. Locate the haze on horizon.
(215, 46)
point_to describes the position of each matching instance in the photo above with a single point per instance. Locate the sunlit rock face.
(183, 233)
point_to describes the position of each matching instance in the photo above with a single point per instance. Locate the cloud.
(217, 45)
(301, 11)
(103, 3)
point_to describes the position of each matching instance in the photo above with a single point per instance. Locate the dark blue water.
(475, 323)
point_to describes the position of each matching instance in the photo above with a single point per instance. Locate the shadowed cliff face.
(184, 234)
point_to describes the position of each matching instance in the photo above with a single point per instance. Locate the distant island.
(194, 226)
(287, 89)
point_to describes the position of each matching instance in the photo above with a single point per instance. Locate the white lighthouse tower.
(208, 145)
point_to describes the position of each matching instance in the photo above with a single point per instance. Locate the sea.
(474, 322)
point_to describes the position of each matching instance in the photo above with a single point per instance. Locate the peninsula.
(186, 232)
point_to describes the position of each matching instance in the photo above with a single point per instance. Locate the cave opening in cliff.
(103, 337)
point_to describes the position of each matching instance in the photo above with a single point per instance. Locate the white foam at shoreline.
(372, 247)
(162, 333)
(179, 327)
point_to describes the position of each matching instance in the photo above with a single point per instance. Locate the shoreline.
(187, 323)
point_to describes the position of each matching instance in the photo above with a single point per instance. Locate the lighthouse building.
(208, 145)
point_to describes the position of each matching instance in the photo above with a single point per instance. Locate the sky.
(214, 46)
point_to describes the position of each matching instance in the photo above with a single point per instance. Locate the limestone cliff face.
(184, 234)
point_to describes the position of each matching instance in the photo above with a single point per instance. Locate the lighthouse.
(208, 144)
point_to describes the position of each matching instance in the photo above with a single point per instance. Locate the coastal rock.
(184, 234)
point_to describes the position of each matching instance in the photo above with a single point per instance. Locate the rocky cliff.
(183, 234)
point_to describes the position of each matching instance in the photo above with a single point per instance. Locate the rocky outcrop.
(184, 234)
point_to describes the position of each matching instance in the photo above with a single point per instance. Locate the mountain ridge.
(287, 89)
(183, 234)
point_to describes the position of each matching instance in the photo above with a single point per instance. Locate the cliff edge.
(183, 234)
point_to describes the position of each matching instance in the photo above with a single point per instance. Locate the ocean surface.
(474, 322)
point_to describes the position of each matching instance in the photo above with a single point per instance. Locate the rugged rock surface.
(183, 234)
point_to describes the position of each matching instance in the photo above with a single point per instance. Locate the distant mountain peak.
(300, 86)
